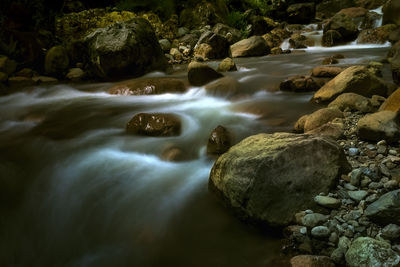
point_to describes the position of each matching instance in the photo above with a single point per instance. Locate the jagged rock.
(264, 178)
(353, 102)
(148, 86)
(125, 48)
(219, 141)
(392, 103)
(154, 124)
(356, 79)
(227, 65)
(200, 74)
(382, 125)
(253, 46)
(366, 251)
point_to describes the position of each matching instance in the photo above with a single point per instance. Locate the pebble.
(314, 219)
(392, 152)
(384, 170)
(350, 187)
(391, 232)
(382, 143)
(355, 176)
(320, 232)
(371, 147)
(353, 151)
(375, 185)
(358, 195)
(382, 150)
(303, 230)
(328, 202)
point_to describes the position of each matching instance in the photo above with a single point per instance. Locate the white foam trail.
(350, 46)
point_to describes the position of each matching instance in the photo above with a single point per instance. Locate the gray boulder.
(125, 48)
(267, 178)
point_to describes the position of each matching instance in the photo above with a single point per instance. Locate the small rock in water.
(353, 151)
(320, 232)
(328, 202)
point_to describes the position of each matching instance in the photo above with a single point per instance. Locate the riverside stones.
(154, 124)
(366, 252)
(356, 79)
(269, 177)
(328, 202)
(314, 219)
(352, 101)
(386, 209)
(378, 126)
(326, 71)
(148, 86)
(317, 119)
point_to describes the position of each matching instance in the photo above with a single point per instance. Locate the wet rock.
(391, 232)
(227, 65)
(200, 74)
(125, 48)
(154, 124)
(366, 251)
(253, 46)
(298, 41)
(224, 87)
(299, 83)
(231, 34)
(8, 66)
(392, 103)
(320, 232)
(391, 11)
(246, 180)
(332, 38)
(386, 209)
(378, 126)
(326, 71)
(57, 61)
(76, 74)
(219, 141)
(311, 261)
(275, 37)
(356, 79)
(343, 24)
(378, 35)
(301, 13)
(260, 24)
(314, 219)
(190, 39)
(318, 118)
(328, 202)
(173, 153)
(148, 86)
(353, 102)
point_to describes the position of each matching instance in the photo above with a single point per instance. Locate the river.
(76, 190)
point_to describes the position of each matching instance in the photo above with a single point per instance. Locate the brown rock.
(382, 125)
(354, 12)
(299, 83)
(311, 261)
(148, 86)
(378, 35)
(392, 103)
(320, 117)
(253, 46)
(332, 38)
(154, 124)
(200, 74)
(353, 102)
(334, 130)
(330, 61)
(225, 87)
(227, 65)
(219, 141)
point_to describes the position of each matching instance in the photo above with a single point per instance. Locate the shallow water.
(76, 190)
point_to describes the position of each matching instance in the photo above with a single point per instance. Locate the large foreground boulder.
(356, 79)
(154, 124)
(382, 125)
(267, 178)
(251, 47)
(148, 86)
(366, 252)
(125, 48)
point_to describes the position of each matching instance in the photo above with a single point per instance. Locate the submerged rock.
(125, 48)
(219, 141)
(251, 47)
(269, 177)
(224, 87)
(366, 252)
(154, 124)
(148, 86)
(356, 79)
(200, 74)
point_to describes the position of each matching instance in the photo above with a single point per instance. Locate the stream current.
(76, 190)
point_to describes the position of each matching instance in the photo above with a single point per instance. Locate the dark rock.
(299, 83)
(260, 25)
(148, 86)
(200, 74)
(154, 124)
(269, 177)
(76, 74)
(8, 66)
(218, 43)
(126, 48)
(18, 82)
(205, 12)
(219, 141)
(391, 11)
(394, 36)
(298, 41)
(343, 24)
(395, 65)
(382, 125)
(329, 61)
(190, 39)
(332, 38)
(386, 209)
(391, 232)
(328, 8)
(301, 13)
(253, 46)
(57, 61)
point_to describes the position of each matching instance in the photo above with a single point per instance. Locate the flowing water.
(76, 190)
